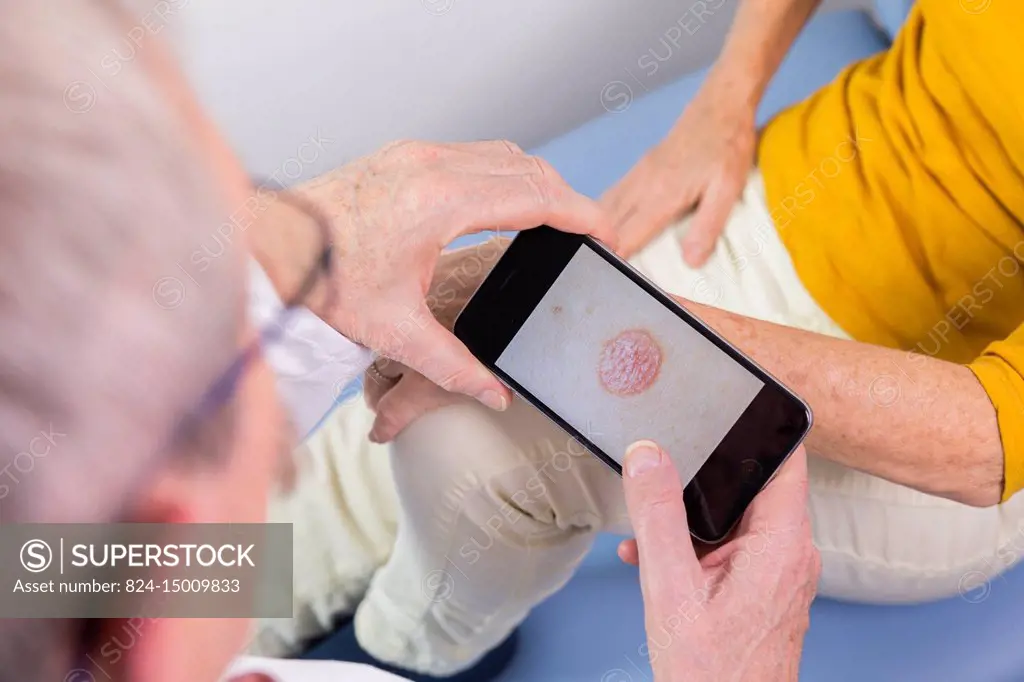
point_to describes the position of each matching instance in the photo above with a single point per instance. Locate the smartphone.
(609, 357)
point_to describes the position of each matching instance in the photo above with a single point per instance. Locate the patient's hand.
(400, 395)
(702, 163)
(741, 611)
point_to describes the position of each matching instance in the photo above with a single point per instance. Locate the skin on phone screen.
(629, 363)
(617, 365)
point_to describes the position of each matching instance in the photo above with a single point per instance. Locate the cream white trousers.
(443, 544)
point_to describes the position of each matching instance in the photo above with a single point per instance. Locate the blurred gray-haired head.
(106, 336)
(104, 340)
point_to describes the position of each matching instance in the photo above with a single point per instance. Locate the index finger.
(535, 195)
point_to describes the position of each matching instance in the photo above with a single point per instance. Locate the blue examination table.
(592, 630)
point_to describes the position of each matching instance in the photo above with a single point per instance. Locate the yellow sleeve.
(1000, 369)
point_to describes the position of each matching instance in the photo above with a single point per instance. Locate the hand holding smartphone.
(610, 358)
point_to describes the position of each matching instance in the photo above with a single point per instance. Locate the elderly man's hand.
(701, 165)
(400, 395)
(393, 213)
(741, 611)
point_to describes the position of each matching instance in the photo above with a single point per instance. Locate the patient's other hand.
(703, 162)
(741, 611)
(400, 396)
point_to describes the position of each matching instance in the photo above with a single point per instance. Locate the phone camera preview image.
(611, 359)
(617, 365)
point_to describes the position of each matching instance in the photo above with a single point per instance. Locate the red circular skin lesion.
(629, 363)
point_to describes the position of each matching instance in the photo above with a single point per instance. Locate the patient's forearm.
(909, 418)
(759, 38)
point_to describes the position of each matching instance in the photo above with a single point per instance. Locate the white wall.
(358, 74)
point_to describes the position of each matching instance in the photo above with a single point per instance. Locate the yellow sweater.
(899, 192)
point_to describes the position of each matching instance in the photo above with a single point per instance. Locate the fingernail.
(641, 457)
(374, 435)
(493, 400)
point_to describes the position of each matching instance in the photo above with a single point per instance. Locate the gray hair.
(102, 200)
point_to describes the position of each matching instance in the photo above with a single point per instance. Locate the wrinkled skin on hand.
(405, 395)
(702, 165)
(395, 210)
(741, 610)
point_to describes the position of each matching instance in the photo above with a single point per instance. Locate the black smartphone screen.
(612, 359)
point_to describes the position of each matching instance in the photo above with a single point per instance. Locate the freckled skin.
(629, 363)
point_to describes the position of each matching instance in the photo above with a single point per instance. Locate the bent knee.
(513, 469)
(470, 437)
